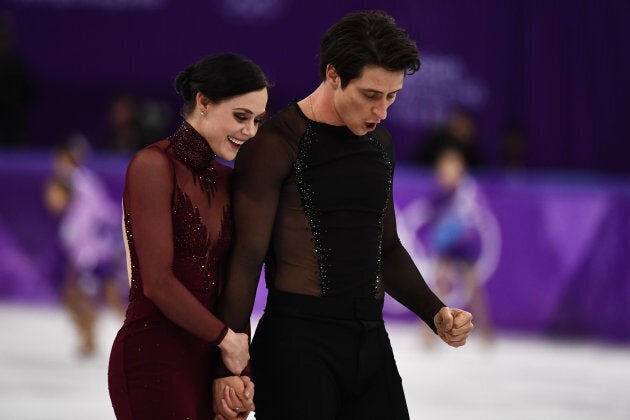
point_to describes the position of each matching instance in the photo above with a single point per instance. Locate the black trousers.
(325, 358)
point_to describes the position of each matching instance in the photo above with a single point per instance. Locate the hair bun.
(182, 82)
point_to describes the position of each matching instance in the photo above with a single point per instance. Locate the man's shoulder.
(280, 134)
(382, 134)
(288, 114)
(287, 124)
(384, 137)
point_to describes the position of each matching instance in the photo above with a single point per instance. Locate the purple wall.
(554, 250)
(560, 67)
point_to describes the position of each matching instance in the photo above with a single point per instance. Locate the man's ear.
(332, 77)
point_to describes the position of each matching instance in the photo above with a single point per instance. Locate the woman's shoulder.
(151, 158)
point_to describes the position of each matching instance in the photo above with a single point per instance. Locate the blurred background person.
(460, 131)
(89, 235)
(133, 121)
(126, 131)
(454, 239)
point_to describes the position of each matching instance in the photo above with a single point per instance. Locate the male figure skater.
(313, 201)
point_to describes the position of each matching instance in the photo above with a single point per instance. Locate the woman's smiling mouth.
(235, 142)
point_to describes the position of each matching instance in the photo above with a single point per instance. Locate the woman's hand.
(233, 397)
(235, 351)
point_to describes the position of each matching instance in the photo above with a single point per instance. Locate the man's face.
(363, 103)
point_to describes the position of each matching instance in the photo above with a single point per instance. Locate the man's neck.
(319, 106)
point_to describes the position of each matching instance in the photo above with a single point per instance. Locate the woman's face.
(230, 123)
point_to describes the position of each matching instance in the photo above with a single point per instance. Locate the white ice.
(517, 378)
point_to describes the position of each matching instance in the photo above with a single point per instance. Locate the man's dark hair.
(367, 38)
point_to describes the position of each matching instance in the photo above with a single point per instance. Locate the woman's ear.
(202, 103)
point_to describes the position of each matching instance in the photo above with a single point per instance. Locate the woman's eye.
(240, 117)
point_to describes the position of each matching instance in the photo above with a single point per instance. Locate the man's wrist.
(221, 371)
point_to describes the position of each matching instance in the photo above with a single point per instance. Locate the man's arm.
(401, 277)
(261, 166)
(404, 283)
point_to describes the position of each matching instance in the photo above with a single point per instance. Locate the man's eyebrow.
(368, 90)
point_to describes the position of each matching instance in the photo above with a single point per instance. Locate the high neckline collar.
(191, 148)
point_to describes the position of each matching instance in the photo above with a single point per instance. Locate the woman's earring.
(202, 113)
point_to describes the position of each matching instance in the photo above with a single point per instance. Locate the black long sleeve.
(260, 168)
(401, 277)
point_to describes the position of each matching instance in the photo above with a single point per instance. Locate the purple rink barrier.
(553, 250)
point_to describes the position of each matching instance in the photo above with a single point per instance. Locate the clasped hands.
(453, 326)
(233, 395)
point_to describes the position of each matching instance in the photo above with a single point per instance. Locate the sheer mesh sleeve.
(262, 165)
(401, 277)
(148, 202)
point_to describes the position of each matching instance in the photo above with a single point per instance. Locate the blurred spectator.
(460, 131)
(126, 133)
(454, 239)
(135, 123)
(90, 238)
(16, 89)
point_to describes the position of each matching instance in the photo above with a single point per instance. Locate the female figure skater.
(178, 227)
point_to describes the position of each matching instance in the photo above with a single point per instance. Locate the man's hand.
(453, 326)
(235, 351)
(233, 397)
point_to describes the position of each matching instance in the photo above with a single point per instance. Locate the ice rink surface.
(517, 378)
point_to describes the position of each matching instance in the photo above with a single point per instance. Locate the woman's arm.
(148, 195)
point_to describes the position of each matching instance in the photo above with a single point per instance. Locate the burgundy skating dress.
(178, 224)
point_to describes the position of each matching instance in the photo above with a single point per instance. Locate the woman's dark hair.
(218, 77)
(366, 38)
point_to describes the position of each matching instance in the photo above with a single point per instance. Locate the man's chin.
(362, 130)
